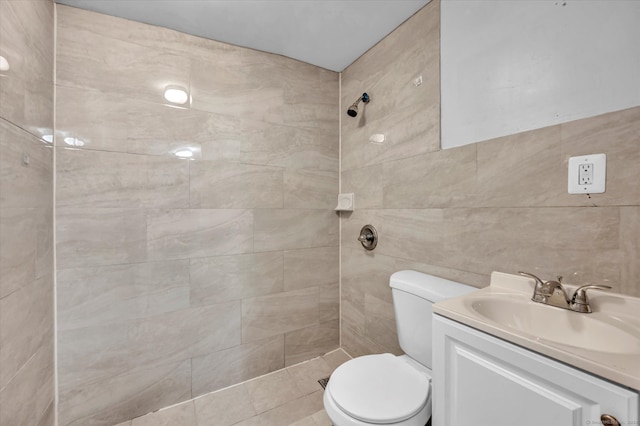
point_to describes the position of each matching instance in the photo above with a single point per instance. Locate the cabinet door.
(481, 380)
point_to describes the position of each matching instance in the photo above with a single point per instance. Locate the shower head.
(352, 111)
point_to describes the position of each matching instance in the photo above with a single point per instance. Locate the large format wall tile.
(225, 278)
(26, 213)
(169, 270)
(91, 237)
(24, 185)
(310, 268)
(108, 179)
(271, 315)
(93, 296)
(294, 228)
(26, 42)
(225, 185)
(25, 325)
(122, 397)
(237, 364)
(181, 234)
(105, 63)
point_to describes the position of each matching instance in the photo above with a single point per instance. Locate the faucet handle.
(580, 301)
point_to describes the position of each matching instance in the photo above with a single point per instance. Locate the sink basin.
(594, 332)
(605, 342)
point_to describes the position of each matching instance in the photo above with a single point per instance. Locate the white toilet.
(388, 389)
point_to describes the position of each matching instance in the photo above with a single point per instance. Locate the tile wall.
(464, 212)
(177, 277)
(26, 213)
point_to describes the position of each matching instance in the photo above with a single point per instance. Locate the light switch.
(587, 174)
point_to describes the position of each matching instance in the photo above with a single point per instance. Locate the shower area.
(196, 244)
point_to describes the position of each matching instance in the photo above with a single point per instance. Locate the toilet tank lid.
(426, 286)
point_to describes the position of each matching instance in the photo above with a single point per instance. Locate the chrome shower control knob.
(368, 237)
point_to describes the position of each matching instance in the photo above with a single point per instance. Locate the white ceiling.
(328, 33)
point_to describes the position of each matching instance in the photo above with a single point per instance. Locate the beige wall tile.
(523, 170)
(105, 63)
(27, 396)
(366, 184)
(306, 343)
(294, 228)
(256, 135)
(329, 303)
(90, 354)
(90, 297)
(615, 134)
(310, 268)
(291, 147)
(557, 243)
(25, 186)
(142, 127)
(180, 234)
(356, 344)
(406, 135)
(234, 365)
(412, 234)
(185, 334)
(26, 324)
(101, 179)
(438, 179)
(310, 189)
(92, 237)
(121, 397)
(225, 407)
(26, 41)
(48, 417)
(182, 414)
(224, 278)
(630, 248)
(380, 324)
(257, 92)
(18, 247)
(275, 314)
(367, 272)
(225, 185)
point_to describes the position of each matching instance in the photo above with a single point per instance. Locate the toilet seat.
(379, 389)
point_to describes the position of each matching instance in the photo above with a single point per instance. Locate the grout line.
(339, 213)
(56, 396)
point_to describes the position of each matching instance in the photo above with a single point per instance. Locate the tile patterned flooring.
(287, 397)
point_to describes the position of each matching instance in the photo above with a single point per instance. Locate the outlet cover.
(587, 174)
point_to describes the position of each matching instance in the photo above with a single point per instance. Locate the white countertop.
(618, 363)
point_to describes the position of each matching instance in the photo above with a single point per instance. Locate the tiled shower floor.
(291, 396)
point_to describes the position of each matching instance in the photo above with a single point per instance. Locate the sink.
(605, 342)
(595, 332)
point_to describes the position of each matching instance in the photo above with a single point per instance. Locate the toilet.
(386, 389)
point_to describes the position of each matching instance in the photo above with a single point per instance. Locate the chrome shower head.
(352, 111)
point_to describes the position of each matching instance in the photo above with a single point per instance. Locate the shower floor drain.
(323, 382)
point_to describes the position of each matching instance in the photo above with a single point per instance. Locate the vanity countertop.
(605, 342)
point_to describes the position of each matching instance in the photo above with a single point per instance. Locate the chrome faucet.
(553, 293)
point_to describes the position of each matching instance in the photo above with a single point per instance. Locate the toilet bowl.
(379, 389)
(385, 389)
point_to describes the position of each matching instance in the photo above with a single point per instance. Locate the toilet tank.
(413, 295)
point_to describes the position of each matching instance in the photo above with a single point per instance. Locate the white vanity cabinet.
(481, 380)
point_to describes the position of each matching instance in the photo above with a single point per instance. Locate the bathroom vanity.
(501, 359)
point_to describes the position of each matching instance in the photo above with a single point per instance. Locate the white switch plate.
(587, 174)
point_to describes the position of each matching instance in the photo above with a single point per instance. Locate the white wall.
(511, 66)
